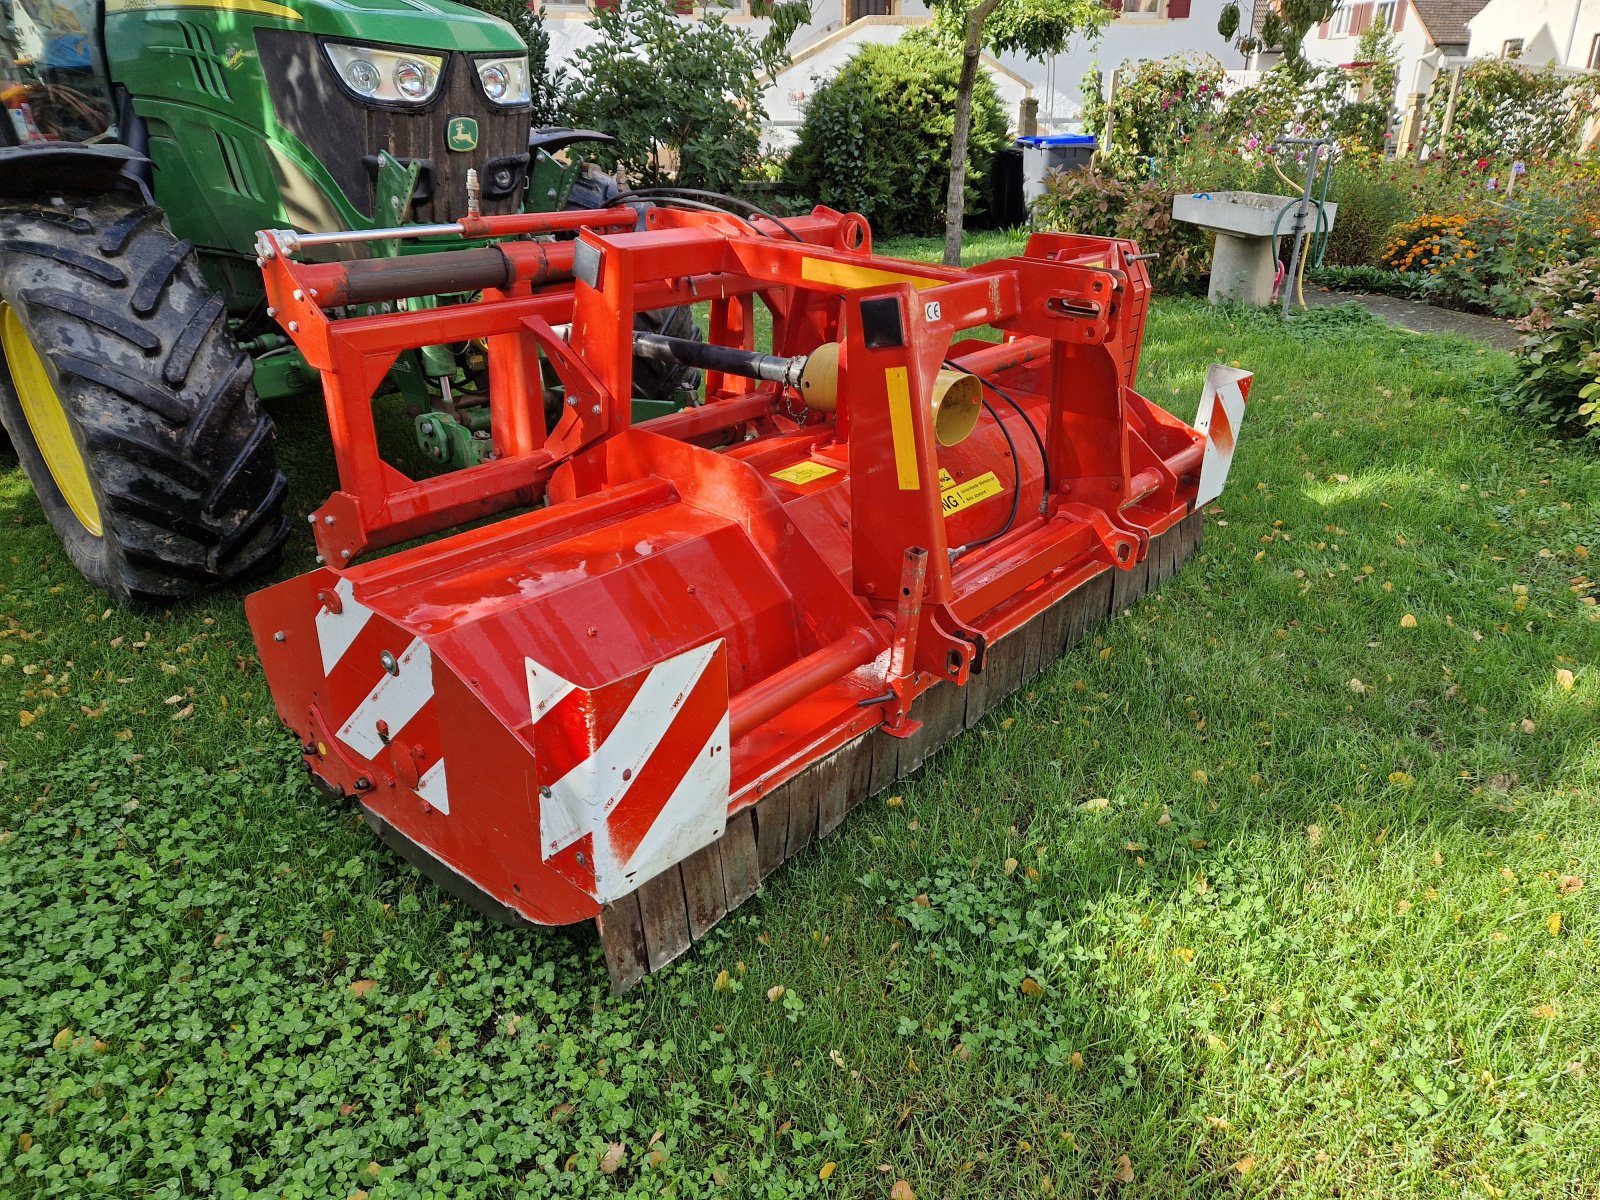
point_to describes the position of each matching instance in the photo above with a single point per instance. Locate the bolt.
(313, 293)
(299, 295)
(363, 784)
(327, 520)
(545, 793)
(294, 326)
(312, 517)
(389, 663)
(320, 560)
(595, 410)
(581, 859)
(344, 554)
(260, 262)
(279, 636)
(427, 429)
(572, 402)
(272, 312)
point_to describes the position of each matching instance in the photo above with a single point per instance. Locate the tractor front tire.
(128, 403)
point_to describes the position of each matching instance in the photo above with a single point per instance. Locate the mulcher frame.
(857, 633)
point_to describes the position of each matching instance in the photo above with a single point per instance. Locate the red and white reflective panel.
(396, 700)
(635, 774)
(336, 631)
(1221, 412)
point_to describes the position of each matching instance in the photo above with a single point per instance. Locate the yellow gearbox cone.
(47, 420)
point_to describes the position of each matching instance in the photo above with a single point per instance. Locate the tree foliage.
(876, 137)
(683, 98)
(1285, 27)
(1036, 28)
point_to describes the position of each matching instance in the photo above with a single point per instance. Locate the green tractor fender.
(68, 166)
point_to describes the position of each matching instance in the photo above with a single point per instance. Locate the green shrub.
(683, 98)
(1089, 202)
(876, 137)
(1159, 105)
(1504, 109)
(1364, 278)
(1559, 360)
(1371, 203)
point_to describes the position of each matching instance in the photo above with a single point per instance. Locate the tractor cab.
(52, 74)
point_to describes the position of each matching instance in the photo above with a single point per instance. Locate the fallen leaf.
(837, 1059)
(1098, 804)
(1011, 865)
(62, 1039)
(361, 987)
(1076, 1060)
(1200, 777)
(1124, 1172)
(612, 1158)
(921, 900)
(722, 981)
(1219, 1122)
(26, 718)
(1359, 688)
(775, 993)
(373, 1168)
(828, 1168)
(1031, 988)
(1553, 924)
(1528, 726)
(1407, 622)
(1244, 1165)
(1314, 834)
(895, 801)
(24, 1142)
(1568, 884)
(1565, 679)
(1184, 953)
(901, 1191)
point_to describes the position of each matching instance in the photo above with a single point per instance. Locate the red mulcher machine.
(698, 641)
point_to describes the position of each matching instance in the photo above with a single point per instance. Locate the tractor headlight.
(385, 75)
(504, 80)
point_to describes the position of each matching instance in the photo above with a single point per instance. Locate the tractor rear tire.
(129, 404)
(655, 380)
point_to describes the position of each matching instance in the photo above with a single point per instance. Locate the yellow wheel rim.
(47, 419)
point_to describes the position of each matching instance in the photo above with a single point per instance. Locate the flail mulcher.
(698, 641)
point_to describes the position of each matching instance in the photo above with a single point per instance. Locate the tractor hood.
(421, 24)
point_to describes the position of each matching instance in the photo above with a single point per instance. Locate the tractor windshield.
(52, 73)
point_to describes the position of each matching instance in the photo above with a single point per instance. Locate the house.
(1144, 29)
(1430, 37)
(1561, 33)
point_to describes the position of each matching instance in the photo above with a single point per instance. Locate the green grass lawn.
(1273, 886)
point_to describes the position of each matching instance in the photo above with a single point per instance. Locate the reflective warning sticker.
(897, 381)
(946, 479)
(963, 495)
(804, 472)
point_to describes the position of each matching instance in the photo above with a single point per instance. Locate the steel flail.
(697, 641)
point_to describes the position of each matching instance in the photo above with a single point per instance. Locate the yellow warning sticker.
(804, 472)
(954, 498)
(946, 479)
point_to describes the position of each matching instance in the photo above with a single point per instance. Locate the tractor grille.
(346, 135)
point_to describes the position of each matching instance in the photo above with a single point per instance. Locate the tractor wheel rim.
(47, 420)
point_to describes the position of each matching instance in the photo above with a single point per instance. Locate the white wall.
(1547, 29)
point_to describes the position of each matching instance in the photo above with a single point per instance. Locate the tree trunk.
(956, 197)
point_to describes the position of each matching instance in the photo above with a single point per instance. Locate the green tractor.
(143, 144)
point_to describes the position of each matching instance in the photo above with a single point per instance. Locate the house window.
(1512, 48)
(1594, 53)
(871, 8)
(1383, 12)
(1141, 8)
(1341, 20)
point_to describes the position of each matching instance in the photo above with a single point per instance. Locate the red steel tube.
(1005, 355)
(760, 702)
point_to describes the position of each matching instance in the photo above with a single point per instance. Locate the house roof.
(1445, 20)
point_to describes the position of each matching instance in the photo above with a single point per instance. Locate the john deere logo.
(462, 134)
